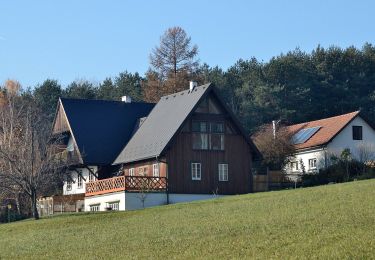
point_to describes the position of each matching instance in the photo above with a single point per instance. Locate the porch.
(126, 183)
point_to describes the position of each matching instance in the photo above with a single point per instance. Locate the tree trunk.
(34, 206)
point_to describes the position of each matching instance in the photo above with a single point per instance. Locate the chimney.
(192, 85)
(126, 99)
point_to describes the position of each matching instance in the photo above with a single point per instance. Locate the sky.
(72, 40)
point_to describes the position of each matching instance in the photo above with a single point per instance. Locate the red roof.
(330, 127)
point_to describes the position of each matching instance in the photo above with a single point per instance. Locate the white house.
(317, 141)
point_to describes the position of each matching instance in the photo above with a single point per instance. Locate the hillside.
(334, 221)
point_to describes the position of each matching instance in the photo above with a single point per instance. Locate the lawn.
(333, 221)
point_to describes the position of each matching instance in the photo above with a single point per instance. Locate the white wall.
(133, 200)
(74, 175)
(345, 139)
(104, 199)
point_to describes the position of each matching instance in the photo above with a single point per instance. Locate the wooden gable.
(61, 122)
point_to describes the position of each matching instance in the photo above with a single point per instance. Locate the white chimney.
(192, 85)
(126, 99)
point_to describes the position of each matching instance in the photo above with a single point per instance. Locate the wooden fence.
(272, 180)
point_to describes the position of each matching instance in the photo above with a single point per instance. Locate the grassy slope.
(335, 221)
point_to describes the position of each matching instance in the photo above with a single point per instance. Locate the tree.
(27, 153)
(47, 95)
(277, 150)
(173, 61)
(81, 89)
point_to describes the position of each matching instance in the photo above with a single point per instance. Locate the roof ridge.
(327, 118)
(104, 100)
(187, 90)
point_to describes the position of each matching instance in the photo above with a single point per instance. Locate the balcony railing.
(128, 183)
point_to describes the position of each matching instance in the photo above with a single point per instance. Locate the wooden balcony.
(126, 183)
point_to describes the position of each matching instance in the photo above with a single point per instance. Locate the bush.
(342, 171)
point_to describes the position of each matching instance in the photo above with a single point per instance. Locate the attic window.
(305, 134)
(357, 132)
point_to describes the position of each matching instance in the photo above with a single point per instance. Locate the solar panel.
(304, 135)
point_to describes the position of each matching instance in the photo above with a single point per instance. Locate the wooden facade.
(177, 159)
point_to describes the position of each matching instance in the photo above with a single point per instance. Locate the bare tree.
(27, 153)
(277, 149)
(173, 63)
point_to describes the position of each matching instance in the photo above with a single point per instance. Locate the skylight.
(304, 135)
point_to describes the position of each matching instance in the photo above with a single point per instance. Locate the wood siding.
(148, 165)
(237, 155)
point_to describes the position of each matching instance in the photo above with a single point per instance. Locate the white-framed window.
(95, 207)
(91, 176)
(223, 172)
(142, 171)
(294, 166)
(69, 185)
(196, 171)
(155, 170)
(131, 172)
(114, 205)
(312, 163)
(79, 181)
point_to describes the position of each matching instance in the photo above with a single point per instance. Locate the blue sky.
(69, 40)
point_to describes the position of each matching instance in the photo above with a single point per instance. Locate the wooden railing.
(129, 183)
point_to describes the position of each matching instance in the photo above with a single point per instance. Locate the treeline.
(295, 87)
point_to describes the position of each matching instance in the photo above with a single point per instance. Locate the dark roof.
(163, 123)
(102, 128)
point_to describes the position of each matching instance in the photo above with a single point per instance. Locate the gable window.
(294, 166)
(312, 163)
(113, 205)
(208, 135)
(200, 135)
(95, 207)
(357, 132)
(223, 172)
(155, 170)
(79, 182)
(196, 171)
(217, 136)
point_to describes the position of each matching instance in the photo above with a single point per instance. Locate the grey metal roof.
(161, 125)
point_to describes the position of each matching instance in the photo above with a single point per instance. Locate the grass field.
(334, 221)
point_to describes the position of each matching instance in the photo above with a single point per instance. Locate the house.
(93, 132)
(190, 146)
(316, 141)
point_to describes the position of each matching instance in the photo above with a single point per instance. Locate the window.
(142, 171)
(312, 163)
(79, 181)
(196, 171)
(200, 135)
(155, 170)
(69, 185)
(208, 136)
(294, 166)
(217, 136)
(223, 172)
(131, 172)
(113, 205)
(91, 175)
(357, 132)
(95, 207)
